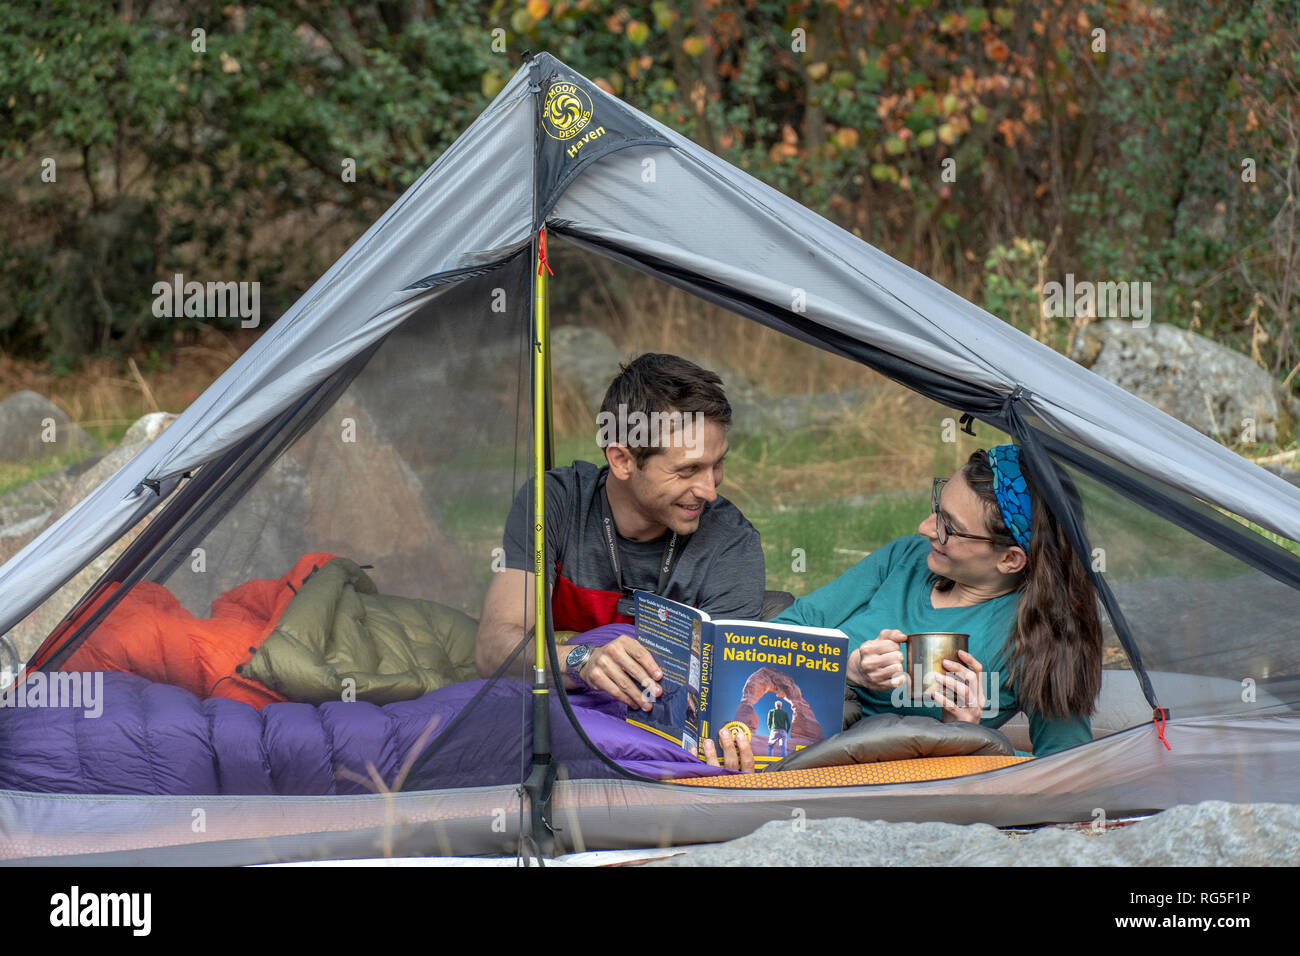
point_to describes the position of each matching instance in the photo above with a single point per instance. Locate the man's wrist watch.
(575, 659)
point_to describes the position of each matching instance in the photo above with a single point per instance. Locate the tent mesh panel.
(407, 462)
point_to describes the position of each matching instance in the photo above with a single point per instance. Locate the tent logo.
(567, 111)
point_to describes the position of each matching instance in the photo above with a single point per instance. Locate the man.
(778, 728)
(650, 519)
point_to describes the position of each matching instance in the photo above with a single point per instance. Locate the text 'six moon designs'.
(567, 111)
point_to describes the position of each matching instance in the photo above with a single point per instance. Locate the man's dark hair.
(659, 383)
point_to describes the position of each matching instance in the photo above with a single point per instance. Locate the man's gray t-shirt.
(720, 569)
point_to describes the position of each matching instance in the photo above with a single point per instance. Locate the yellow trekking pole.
(541, 433)
(539, 781)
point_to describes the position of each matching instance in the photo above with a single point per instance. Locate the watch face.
(577, 657)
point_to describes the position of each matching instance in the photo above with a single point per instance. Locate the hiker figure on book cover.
(805, 698)
(779, 721)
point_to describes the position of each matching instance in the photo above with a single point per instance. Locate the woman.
(990, 561)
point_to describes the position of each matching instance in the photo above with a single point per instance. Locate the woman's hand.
(736, 751)
(878, 664)
(964, 683)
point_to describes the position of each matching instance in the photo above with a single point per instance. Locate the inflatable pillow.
(891, 737)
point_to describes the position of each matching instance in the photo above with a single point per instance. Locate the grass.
(1285, 543)
(807, 547)
(15, 475)
(106, 395)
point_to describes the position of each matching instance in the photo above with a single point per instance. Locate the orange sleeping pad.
(886, 771)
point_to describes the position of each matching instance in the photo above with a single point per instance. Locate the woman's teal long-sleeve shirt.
(890, 589)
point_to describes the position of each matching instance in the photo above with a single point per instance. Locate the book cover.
(673, 633)
(785, 683)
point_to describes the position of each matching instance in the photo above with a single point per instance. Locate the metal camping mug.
(926, 652)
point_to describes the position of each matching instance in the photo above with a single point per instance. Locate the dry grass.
(887, 437)
(105, 396)
(644, 314)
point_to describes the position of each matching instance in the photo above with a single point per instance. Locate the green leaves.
(1132, 157)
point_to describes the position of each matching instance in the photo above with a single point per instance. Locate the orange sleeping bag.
(149, 633)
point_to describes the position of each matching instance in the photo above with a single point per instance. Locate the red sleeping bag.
(149, 633)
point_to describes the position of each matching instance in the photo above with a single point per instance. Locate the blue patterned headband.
(1012, 492)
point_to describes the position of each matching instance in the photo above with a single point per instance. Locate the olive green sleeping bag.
(339, 639)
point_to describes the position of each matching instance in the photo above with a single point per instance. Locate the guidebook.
(782, 683)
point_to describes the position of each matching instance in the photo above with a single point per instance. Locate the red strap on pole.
(1159, 715)
(541, 254)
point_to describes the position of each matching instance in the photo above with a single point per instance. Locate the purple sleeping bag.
(159, 739)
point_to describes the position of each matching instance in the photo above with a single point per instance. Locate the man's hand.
(878, 664)
(736, 751)
(624, 669)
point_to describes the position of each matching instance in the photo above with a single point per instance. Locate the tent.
(396, 403)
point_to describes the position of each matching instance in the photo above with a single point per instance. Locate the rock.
(27, 510)
(1213, 833)
(843, 841)
(396, 527)
(146, 429)
(28, 503)
(140, 434)
(1180, 621)
(1212, 388)
(1286, 474)
(357, 499)
(27, 420)
(74, 484)
(472, 394)
(793, 412)
(586, 360)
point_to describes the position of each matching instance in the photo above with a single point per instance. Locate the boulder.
(1212, 833)
(1216, 390)
(31, 508)
(139, 435)
(146, 429)
(359, 499)
(33, 428)
(585, 360)
(74, 484)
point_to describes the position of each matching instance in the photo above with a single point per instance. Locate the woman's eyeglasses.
(943, 529)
